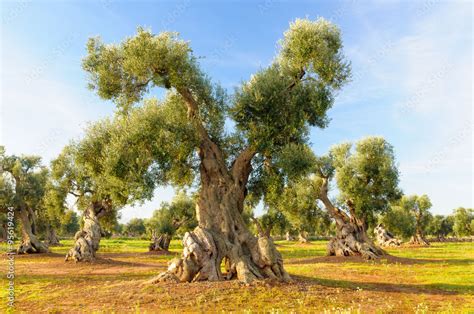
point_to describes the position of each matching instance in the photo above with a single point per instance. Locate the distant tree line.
(295, 214)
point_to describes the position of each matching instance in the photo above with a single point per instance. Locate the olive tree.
(71, 178)
(275, 107)
(135, 227)
(47, 224)
(419, 207)
(463, 222)
(272, 222)
(366, 177)
(399, 221)
(367, 180)
(81, 172)
(440, 226)
(22, 187)
(171, 217)
(299, 204)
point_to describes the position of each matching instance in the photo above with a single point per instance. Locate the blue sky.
(412, 75)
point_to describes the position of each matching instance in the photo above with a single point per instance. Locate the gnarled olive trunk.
(385, 238)
(222, 236)
(161, 243)
(351, 239)
(52, 238)
(303, 236)
(419, 239)
(351, 235)
(289, 237)
(86, 240)
(29, 242)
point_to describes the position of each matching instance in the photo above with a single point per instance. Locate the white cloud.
(424, 77)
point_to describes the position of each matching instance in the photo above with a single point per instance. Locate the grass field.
(439, 278)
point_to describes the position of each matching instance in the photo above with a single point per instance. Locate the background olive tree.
(463, 219)
(23, 181)
(418, 207)
(179, 216)
(82, 171)
(135, 228)
(440, 226)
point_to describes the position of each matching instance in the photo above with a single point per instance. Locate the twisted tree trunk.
(161, 243)
(29, 242)
(303, 236)
(52, 238)
(351, 235)
(88, 238)
(289, 237)
(222, 235)
(385, 238)
(419, 238)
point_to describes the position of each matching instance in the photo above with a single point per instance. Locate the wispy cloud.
(422, 76)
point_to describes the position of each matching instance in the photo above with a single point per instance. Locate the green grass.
(439, 278)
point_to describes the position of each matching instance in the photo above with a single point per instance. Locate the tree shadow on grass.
(103, 260)
(38, 255)
(388, 259)
(434, 289)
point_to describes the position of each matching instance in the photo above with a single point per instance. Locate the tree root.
(204, 251)
(303, 237)
(52, 239)
(30, 247)
(418, 239)
(161, 243)
(352, 241)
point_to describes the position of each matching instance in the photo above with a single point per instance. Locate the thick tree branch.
(178, 223)
(337, 214)
(260, 230)
(208, 149)
(242, 167)
(298, 78)
(193, 113)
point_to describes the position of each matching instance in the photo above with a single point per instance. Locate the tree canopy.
(463, 221)
(419, 207)
(180, 214)
(22, 181)
(135, 227)
(399, 221)
(275, 107)
(366, 175)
